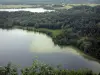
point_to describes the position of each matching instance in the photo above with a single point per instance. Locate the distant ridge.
(47, 1)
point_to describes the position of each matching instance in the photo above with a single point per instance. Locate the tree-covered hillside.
(80, 26)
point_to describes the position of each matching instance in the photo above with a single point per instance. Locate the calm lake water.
(21, 47)
(39, 10)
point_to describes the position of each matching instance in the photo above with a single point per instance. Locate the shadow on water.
(31, 29)
(43, 46)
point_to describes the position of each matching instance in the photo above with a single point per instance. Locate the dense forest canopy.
(80, 26)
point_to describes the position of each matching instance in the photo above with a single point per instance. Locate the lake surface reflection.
(38, 10)
(21, 47)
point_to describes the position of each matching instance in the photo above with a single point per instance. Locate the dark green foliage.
(39, 68)
(80, 26)
(8, 70)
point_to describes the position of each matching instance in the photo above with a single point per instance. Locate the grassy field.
(54, 32)
(64, 6)
(68, 6)
(15, 6)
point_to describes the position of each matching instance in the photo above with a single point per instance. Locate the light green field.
(15, 6)
(54, 32)
(64, 6)
(68, 6)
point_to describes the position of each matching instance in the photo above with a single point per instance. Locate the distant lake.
(21, 47)
(39, 10)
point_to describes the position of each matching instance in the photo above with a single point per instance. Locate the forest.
(39, 68)
(79, 26)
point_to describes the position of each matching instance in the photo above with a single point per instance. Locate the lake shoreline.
(68, 49)
(52, 33)
(48, 35)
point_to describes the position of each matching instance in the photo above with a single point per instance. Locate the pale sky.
(32, 1)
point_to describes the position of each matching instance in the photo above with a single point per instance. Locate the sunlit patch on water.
(20, 46)
(43, 45)
(38, 10)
